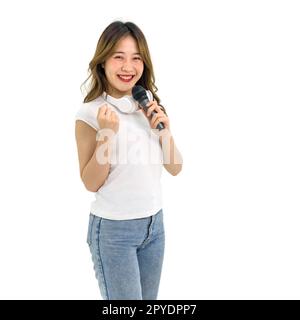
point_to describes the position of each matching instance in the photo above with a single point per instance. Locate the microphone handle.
(160, 125)
(144, 103)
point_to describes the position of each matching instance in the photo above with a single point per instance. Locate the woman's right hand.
(107, 118)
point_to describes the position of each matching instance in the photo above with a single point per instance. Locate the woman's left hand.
(159, 116)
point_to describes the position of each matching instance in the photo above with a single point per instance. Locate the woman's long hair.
(106, 44)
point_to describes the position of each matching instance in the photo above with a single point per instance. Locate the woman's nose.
(127, 66)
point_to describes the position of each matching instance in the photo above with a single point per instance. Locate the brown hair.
(105, 46)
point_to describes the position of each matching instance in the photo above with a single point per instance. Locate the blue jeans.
(127, 256)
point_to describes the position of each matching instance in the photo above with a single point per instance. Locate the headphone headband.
(126, 104)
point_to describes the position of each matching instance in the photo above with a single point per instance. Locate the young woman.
(121, 154)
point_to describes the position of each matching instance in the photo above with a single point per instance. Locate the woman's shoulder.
(88, 112)
(93, 103)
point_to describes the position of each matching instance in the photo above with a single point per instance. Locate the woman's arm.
(172, 159)
(92, 173)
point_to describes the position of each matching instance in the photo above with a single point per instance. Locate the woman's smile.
(125, 78)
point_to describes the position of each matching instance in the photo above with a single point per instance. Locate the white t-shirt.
(132, 189)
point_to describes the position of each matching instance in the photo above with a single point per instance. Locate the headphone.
(125, 104)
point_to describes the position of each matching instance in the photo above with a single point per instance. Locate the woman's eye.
(120, 57)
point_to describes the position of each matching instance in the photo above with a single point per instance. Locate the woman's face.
(124, 67)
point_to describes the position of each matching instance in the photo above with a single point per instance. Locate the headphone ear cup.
(149, 94)
(125, 105)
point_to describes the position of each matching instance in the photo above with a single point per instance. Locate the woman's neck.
(117, 94)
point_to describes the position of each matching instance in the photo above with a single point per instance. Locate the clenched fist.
(107, 118)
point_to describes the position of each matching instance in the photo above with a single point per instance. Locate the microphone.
(140, 95)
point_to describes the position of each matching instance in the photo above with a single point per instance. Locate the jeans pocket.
(90, 228)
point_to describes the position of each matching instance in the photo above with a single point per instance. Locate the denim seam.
(149, 233)
(100, 265)
(90, 230)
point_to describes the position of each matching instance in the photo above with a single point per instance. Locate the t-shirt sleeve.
(88, 114)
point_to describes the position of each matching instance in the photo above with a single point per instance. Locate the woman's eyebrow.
(124, 52)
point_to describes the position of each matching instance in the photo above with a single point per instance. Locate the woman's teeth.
(125, 78)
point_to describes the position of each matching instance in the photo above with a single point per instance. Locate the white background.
(228, 73)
